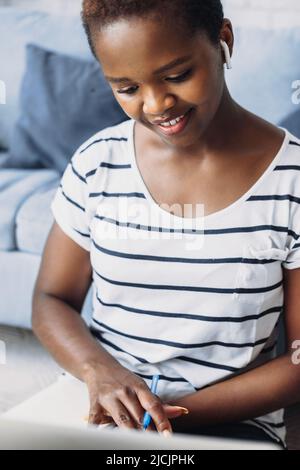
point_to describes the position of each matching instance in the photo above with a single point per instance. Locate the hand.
(119, 396)
(172, 411)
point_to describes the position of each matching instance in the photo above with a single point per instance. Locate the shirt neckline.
(213, 215)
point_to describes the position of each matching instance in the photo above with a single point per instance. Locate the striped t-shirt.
(196, 300)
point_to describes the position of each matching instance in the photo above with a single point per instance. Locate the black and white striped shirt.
(195, 300)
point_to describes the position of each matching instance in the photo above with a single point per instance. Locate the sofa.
(40, 125)
(35, 142)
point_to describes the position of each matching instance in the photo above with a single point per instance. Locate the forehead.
(141, 44)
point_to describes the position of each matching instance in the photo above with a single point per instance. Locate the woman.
(185, 219)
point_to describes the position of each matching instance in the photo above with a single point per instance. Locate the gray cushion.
(64, 100)
(15, 187)
(34, 219)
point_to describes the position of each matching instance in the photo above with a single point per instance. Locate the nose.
(158, 103)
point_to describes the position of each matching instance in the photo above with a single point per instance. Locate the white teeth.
(172, 123)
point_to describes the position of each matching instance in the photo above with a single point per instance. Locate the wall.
(64, 7)
(264, 13)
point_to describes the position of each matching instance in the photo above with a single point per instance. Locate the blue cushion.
(292, 123)
(265, 65)
(64, 100)
(61, 33)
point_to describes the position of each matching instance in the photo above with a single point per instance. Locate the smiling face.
(134, 54)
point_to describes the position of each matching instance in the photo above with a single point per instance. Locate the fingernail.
(166, 433)
(185, 411)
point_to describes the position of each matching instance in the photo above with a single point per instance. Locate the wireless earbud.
(227, 54)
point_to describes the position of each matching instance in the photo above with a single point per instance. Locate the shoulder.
(104, 146)
(270, 140)
(117, 133)
(294, 144)
(291, 153)
(287, 166)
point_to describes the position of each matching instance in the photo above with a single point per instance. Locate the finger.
(154, 406)
(106, 417)
(175, 411)
(121, 416)
(95, 414)
(107, 420)
(151, 428)
(103, 421)
(132, 404)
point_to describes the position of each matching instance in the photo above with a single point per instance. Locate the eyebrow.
(164, 68)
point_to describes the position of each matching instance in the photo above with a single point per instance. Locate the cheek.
(126, 104)
(208, 85)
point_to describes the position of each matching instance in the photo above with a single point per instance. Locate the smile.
(175, 126)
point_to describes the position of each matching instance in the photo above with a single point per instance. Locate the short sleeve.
(292, 260)
(69, 206)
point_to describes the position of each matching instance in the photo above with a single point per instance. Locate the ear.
(226, 34)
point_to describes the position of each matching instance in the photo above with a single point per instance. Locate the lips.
(162, 121)
(177, 128)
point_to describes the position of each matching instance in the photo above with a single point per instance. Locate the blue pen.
(147, 416)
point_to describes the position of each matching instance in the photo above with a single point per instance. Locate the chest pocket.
(251, 281)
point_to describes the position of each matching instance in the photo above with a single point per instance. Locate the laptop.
(23, 435)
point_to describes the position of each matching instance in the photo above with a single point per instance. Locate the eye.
(180, 78)
(128, 91)
(177, 79)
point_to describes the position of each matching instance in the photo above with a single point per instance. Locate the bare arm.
(260, 391)
(268, 388)
(64, 279)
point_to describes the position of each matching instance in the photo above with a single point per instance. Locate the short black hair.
(198, 15)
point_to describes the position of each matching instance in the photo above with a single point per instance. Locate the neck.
(223, 129)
